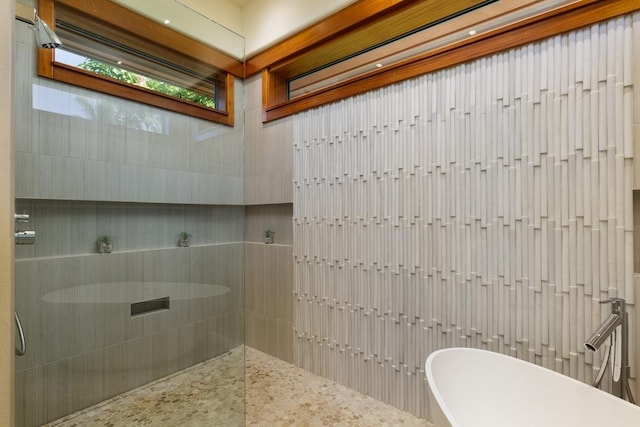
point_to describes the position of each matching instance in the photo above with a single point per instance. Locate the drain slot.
(149, 306)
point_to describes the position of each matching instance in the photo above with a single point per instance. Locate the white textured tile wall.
(487, 205)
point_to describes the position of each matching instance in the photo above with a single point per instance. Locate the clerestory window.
(111, 49)
(369, 45)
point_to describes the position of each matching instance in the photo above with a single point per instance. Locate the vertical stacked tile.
(487, 205)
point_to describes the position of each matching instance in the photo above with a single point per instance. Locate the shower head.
(45, 35)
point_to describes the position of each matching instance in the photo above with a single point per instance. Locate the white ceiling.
(185, 18)
(241, 3)
(245, 26)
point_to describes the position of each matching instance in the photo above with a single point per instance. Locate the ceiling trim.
(351, 17)
(127, 21)
(568, 18)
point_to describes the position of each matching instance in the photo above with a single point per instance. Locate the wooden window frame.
(275, 63)
(135, 26)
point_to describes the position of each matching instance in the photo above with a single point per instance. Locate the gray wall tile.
(258, 218)
(70, 335)
(269, 298)
(79, 175)
(75, 155)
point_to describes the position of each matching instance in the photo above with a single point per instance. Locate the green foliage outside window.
(130, 77)
(108, 70)
(180, 92)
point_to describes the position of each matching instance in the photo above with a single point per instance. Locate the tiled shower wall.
(268, 196)
(76, 144)
(267, 156)
(90, 164)
(487, 205)
(268, 280)
(83, 348)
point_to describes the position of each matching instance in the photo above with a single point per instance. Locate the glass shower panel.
(100, 324)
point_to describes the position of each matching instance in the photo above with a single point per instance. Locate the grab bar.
(23, 344)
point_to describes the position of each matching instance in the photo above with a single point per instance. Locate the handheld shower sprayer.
(608, 330)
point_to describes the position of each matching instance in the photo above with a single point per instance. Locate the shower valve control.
(21, 218)
(25, 237)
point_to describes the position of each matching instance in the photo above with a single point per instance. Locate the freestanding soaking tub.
(477, 388)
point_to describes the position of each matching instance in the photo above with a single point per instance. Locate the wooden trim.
(123, 19)
(228, 99)
(385, 54)
(77, 77)
(126, 20)
(380, 30)
(510, 36)
(274, 90)
(45, 56)
(352, 16)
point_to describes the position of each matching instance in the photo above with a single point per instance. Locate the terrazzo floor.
(211, 394)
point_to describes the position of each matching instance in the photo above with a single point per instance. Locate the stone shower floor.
(211, 394)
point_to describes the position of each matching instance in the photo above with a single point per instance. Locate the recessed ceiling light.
(119, 62)
(379, 65)
(472, 32)
(166, 21)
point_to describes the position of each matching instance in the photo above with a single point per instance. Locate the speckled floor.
(211, 394)
(198, 396)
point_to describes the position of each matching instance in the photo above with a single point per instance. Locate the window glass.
(117, 51)
(204, 94)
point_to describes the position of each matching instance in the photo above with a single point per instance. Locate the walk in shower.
(97, 325)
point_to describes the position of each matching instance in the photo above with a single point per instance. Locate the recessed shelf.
(149, 306)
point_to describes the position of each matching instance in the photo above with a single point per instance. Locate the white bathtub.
(476, 388)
